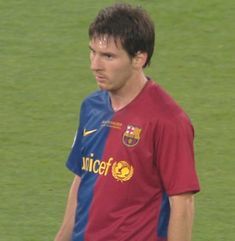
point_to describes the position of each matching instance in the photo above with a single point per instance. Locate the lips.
(100, 78)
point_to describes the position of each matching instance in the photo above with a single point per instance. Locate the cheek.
(122, 69)
(125, 71)
(120, 77)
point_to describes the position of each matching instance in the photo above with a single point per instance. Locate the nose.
(96, 63)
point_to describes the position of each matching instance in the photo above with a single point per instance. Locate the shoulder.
(161, 101)
(95, 100)
(165, 110)
(98, 95)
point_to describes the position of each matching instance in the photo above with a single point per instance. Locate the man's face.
(110, 64)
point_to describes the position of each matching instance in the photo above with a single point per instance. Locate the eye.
(109, 56)
(92, 51)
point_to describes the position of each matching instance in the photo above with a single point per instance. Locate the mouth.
(99, 78)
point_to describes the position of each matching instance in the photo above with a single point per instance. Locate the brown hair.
(131, 25)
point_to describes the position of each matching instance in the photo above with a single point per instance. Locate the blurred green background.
(44, 75)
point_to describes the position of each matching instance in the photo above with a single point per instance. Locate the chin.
(105, 87)
(101, 87)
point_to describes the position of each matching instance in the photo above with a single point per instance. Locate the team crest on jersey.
(122, 171)
(131, 136)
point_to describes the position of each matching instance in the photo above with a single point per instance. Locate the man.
(133, 152)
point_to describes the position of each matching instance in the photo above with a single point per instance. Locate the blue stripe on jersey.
(164, 217)
(89, 146)
(85, 194)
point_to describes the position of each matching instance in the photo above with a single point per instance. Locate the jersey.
(130, 162)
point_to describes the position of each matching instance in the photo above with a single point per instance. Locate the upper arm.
(76, 183)
(175, 156)
(181, 202)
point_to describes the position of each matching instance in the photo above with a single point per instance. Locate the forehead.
(106, 42)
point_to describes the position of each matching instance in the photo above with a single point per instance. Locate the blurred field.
(44, 75)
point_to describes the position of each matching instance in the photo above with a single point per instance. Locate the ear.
(140, 59)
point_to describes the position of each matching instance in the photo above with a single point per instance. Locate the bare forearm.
(65, 231)
(181, 219)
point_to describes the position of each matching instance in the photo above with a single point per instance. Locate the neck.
(124, 96)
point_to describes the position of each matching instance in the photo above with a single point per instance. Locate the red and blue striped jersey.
(130, 162)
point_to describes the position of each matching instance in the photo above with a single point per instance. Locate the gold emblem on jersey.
(122, 171)
(131, 136)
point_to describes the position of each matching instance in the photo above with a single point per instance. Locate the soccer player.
(133, 155)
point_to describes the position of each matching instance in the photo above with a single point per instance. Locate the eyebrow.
(103, 52)
(91, 48)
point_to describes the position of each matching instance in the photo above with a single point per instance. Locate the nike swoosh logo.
(86, 132)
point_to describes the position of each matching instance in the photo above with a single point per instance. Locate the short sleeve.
(75, 156)
(175, 156)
